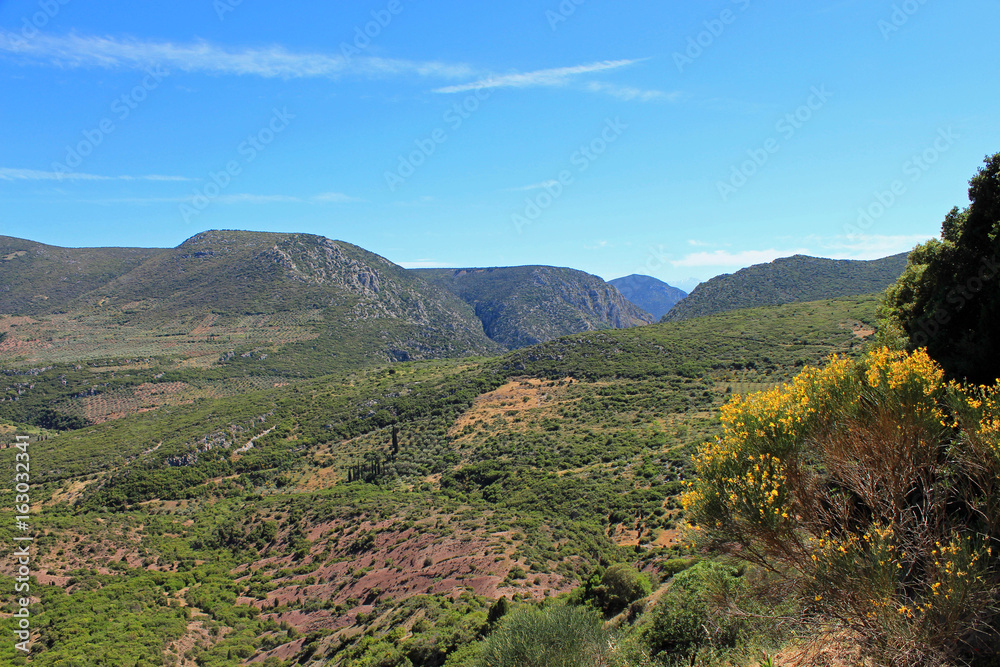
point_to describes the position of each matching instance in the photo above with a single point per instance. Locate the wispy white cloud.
(244, 198)
(559, 76)
(74, 50)
(424, 264)
(202, 57)
(8, 174)
(419, 201)
(535, 186)
(871, 246)
(726, 259)
(699, 244)
(630, 94)
(336, 198)
(235, 199)
(862, 247)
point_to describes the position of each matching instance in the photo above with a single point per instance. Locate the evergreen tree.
(948, 299)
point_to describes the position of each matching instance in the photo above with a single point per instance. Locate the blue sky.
(675, 139)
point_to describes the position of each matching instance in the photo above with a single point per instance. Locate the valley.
(255, 505)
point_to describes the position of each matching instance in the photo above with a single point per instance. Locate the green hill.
(268, 303)
(654, 296)
(37, 279)
(789, 280)
(525, 305)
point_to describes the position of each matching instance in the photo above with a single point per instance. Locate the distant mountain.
(654, 296)
(526, 305)
(38, 279)
(789, 280)
(303, 302)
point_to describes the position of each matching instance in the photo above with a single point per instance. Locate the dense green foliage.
(788, 280)
(555, 637)
(948, 300)
(621, 585)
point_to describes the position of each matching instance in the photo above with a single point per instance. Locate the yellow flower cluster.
(901, 370)
(771, 441)
(981, 412)
(744, 466)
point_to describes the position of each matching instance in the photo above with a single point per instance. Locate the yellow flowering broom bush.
(872, 487)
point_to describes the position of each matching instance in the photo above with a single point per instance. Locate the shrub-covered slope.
(371, 518)
(36, 278)
(789, 280)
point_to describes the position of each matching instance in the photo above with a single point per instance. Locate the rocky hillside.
(290, 302)
(526, 305)
(789, 280)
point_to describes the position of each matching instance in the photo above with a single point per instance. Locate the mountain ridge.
(794, 279)
(293, 300)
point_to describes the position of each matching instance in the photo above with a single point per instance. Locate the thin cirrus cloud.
(535, 186)
(79, 51)
(237, 198)
(873, 246)
(558, 76)
(74, 50)
(629, 93)
(862, 247)
(424, 264)
(336, 198)
(8, 174)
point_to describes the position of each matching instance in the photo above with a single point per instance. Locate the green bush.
(620, 586)
(686, 618)
(553, 637)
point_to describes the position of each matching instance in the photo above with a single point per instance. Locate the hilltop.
(38, 279)
(789, 280)
(526, 305)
